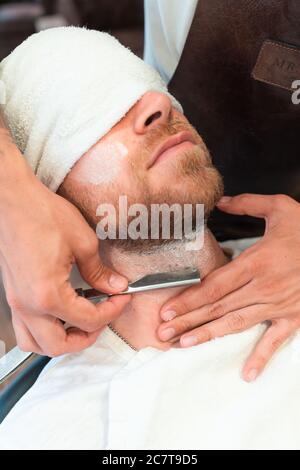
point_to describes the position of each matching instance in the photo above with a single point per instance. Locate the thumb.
(255, 205)
(96, 274)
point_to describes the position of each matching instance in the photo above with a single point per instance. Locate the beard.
(192, 173)
(201, 184)
(192, 180)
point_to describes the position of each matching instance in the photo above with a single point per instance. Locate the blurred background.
(122, 18)
(19, 19)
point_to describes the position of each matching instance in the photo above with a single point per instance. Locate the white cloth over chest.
(111, 397)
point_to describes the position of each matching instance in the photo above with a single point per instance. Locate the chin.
(201, 188)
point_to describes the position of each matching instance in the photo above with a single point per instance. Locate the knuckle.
(100, 271)
(44, 299)
(243, 198)
(213, 292)
(275, 344)
(182, 305)
(280, 201)
(184, 324)
(292, 326)
(53, 351)
(286, 325)
(215, 310)
(254, 264)
(96, 272)
(236, 322)
(91, 324)
(205, 335)
(14, 302)
(265, 290)
(88, 246)
(25, 345)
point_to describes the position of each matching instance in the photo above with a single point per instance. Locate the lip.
(184, 136)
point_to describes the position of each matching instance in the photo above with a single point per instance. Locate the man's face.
(129, 160)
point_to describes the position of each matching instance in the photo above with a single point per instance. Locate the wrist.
(14, 170)
(13, 166)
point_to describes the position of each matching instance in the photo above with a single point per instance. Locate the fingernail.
(188, 341)
(224, 200)
(168, 315)
(251, 376)
(167, 334)
(117, 282)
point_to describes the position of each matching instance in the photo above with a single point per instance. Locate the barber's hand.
(41, 236)
(262, 283)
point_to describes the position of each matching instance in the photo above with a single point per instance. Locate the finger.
(237, 300)
(247, 204)
(54, 340)
(256, 205)
(24, 338)
(94, 272)
(83, 314)
(233, 322)
(213, 288)
(271, 341)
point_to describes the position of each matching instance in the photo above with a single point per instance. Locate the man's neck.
(139, 321)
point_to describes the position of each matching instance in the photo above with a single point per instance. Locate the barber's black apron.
(234, 80)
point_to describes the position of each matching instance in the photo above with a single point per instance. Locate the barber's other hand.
(41, 236)
(262, 283)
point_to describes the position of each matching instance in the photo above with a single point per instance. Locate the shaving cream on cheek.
(102, 165)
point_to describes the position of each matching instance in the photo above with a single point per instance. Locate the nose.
(153, 108)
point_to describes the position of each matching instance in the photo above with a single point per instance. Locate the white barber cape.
(112, 397)
(166, 31)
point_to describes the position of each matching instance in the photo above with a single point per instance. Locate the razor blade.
(166, 280)
(181, 278)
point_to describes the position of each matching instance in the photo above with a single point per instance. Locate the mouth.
(173, 145)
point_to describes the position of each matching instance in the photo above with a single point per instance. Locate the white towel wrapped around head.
(65, 89)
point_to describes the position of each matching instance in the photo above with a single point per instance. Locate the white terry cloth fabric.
(65, 89)
(111, 397)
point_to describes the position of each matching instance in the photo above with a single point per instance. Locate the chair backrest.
(11, 394)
